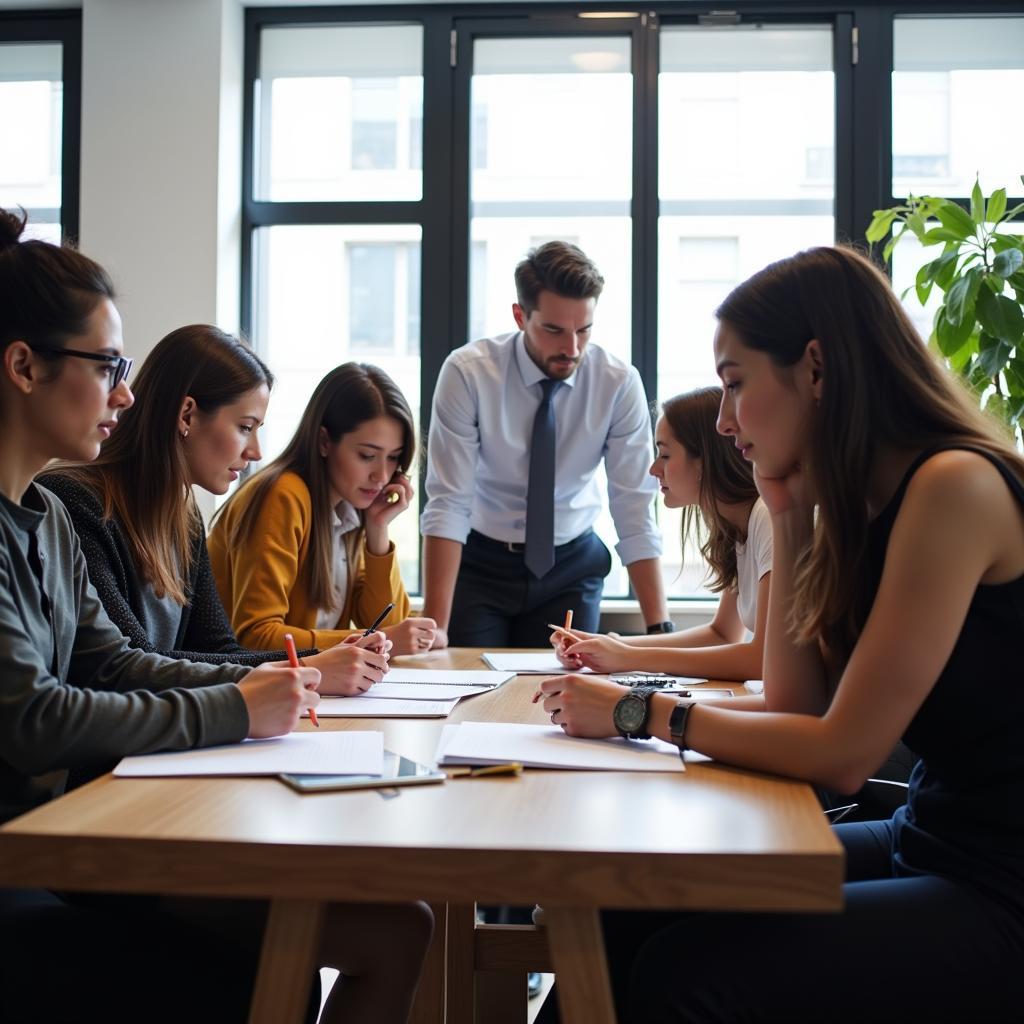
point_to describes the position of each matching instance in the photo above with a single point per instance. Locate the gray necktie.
(540, 494)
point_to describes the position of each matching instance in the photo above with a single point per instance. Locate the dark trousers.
(921, 950)
(124, 960)
(498, 602)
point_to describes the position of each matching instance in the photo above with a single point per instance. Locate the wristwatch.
(677, 724)
(630, 714)
(661, 627)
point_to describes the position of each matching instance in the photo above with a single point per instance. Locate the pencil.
(568, 620)
(293, 660)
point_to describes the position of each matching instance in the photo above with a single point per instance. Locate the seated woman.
(302, 547)
(705, 474)
(897, 599)
(200, 400)
(74, 693)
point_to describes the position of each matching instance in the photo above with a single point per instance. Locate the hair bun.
(11, 227)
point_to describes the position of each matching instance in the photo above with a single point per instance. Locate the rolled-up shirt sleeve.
(631, 489)
(453, 448)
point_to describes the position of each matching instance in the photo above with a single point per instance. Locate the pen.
(293, 660)
(380, 618)
(512, 768)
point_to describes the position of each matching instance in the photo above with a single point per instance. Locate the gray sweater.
(73, 694)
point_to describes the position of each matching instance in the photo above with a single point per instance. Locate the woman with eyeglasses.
(74, 693)
(200, 400)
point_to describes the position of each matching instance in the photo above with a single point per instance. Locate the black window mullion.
(645, 204)
(437, 214)
(871, 124)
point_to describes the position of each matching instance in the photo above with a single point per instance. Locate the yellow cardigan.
(263, 586)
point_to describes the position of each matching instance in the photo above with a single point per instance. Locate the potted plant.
(979, 327)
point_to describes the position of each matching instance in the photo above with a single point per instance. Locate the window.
(742, 180)
(333, 229)
(397, 172)
(946, 129)
(39, 89)
(947, 124)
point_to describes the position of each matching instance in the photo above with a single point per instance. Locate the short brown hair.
(559, 267)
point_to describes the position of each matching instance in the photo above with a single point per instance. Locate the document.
(364, 707)
(529, 664)
(547, 746)
(435, 684)
(303, 753)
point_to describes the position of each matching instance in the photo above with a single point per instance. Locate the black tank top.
(964, 816)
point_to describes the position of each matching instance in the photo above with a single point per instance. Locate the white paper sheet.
(449, 676)
(528, 664)
(546, 746)
(435, 684)
(364, 707)
(301, 753)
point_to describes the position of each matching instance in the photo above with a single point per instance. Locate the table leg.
(581, 970)
(287, 962)
(461, 963)
(428, 1006)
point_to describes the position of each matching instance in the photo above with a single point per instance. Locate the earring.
(184, 434)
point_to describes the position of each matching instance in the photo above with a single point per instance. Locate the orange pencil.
(568, 620)
(293, 660)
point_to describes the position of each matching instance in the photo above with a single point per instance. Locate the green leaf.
(996, 206)
(1000, 317)
(961, 297)
(951, 337)
(923, 283)
(1010, 214)
(1014, 373)
(935, 235)
(1001, 242)
(880, 224)
(993, 354)
(960, 361)
(944, 269)
(891, 244)
(977, 203)
(916, 223)
(956, 220)
(1007, 262)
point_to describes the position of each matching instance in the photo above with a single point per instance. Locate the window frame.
(64, 27)
(862, 66)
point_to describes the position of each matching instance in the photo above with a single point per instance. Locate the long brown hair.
(880, 386)
(141, 474)
(348, 396)
(726, 479)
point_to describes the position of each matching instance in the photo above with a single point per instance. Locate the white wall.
(161, 159)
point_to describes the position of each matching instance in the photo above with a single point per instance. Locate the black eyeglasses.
(121, 365)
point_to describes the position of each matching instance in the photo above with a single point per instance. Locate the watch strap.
(677, 724)
(668, 626)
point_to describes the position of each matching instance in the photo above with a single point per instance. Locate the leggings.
(921, 949)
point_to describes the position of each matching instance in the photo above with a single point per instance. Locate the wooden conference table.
(713, 838)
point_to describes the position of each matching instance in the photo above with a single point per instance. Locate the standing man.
(519, 426)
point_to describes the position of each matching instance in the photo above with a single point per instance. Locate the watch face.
(630, 713)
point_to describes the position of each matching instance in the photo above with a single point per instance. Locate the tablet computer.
(397, 771)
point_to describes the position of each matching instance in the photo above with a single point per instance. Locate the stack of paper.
(371, 706)
(546, 746)
(302, 753)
